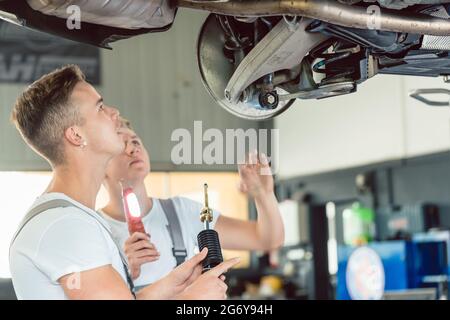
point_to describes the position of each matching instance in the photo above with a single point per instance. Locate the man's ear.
(73, 136)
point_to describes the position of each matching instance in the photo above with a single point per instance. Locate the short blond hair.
(44, 111)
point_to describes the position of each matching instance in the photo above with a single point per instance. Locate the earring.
(83, 144)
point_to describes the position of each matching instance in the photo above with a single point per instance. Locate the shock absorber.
(209, 238)
(336, 66)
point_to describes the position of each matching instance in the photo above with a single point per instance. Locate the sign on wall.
(26, 54)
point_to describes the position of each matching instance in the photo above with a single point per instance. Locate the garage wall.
(153, 79)
(378, 123)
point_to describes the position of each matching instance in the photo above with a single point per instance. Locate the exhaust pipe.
(330, 11)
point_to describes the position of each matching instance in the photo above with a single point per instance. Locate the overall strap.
(179, 249)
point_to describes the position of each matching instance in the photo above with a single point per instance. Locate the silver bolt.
(270, 99)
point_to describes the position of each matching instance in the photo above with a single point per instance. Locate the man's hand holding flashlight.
(139, 250)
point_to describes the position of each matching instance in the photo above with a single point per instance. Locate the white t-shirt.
(58, 242)
(155, 223)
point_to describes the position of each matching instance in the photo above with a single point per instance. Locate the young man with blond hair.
(67, 252)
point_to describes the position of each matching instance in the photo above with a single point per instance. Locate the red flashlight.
(132, 211)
